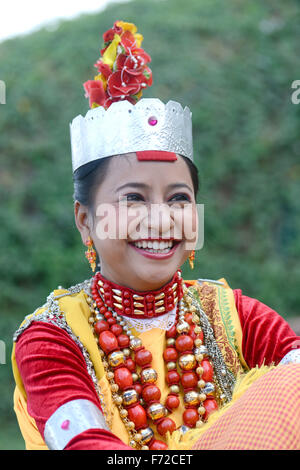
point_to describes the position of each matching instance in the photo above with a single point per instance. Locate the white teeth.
(155, 246)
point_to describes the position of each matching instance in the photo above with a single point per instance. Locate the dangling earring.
(91, 254)
(191, 259)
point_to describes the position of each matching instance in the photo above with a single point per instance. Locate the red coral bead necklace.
(136, 394)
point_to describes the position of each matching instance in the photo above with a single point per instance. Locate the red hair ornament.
(123, 70)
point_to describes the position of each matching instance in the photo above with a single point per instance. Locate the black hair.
(88, 177)
(194, 175)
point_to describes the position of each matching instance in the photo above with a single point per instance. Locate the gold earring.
(191, 259)
(91, 254)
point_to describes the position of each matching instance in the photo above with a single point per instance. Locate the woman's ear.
(82, 220)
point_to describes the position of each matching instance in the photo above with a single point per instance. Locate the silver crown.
(124, 128)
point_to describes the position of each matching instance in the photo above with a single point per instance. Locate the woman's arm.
(54, 373)
(267, 337)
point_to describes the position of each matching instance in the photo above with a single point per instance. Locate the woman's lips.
(157, 256)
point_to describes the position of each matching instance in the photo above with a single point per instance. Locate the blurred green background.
(233, 63)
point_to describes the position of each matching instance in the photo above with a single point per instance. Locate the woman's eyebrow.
(146, 186)
(133, 185)
(179, 185)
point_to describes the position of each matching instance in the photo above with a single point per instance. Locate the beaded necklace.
(134, 392)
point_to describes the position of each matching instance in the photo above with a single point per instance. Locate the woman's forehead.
(126, 171)
(128, 166)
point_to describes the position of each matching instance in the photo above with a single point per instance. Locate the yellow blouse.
(218, 303)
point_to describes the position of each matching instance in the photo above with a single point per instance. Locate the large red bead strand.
(207, 374)
(108, 341)
(184, 352)
(190, 417)
(166, 425)
(184, 343)
(157, 445)
(210, 406)
(173, 378)
(100, 326)
(116, 329)
(138, 415)
(189, 380)
(172, 402)
(123, 341)
(123, 378)
(143, 357)
(151, 393)
(170, 354)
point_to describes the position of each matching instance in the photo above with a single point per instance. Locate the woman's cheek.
(111, 222)
(190, 226)
(177, 215)
(106, 222)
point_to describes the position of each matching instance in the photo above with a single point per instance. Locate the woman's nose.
(158, 221)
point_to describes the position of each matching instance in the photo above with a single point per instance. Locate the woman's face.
(138, 226)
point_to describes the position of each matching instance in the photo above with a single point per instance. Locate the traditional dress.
(57, 361)
(194, 364)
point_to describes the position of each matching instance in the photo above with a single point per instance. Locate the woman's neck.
(137, 304)
(135, 282)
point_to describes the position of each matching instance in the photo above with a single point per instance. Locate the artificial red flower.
(103, 68)
(110, 101)
(142, 55)
(128, 42)
(119, 84)
(144, 77)
(121, 59)
(134, 65)
(95, 92)
(108, 35)
(124, 73)
(117, 29)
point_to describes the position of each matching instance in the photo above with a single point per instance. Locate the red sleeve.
(54, 372)
(266, 335)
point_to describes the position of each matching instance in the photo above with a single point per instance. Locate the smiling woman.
(148, 234)
(136, 357)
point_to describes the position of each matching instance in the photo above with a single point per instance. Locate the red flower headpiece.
(122, 67)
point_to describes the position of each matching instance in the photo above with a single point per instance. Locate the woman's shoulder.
(204, 284)
(60, 303)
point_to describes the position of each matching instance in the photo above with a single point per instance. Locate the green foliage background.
(233, 63)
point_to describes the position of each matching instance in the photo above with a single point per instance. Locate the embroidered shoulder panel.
(215, 303)
(223, 375)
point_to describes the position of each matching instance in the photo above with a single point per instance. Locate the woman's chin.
(154, 277)
(157, 264)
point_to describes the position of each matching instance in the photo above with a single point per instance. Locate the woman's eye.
(180, 197)
(133, 197)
